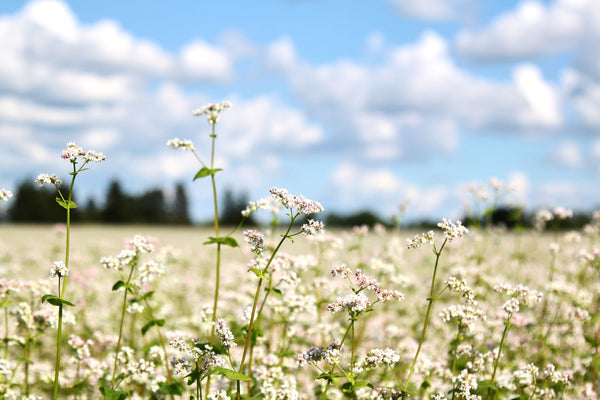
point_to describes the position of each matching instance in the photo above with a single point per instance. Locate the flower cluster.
(177, 143)
(136, 246)
(293, 202)
(48, 179)
(354, 303)
(379, 357)
(312, 227)
(5, 194)
(205, 357)
(520, 295)
(262, 204)
(227, 339)
(464, 315)
(59, 269)
(452, 230)
(73, 151)
(460, 286)
(420, 239)
(212, 110)
(331, 354)
(256, 241)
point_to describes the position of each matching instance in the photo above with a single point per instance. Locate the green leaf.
(4, 303)
(204, 172)
(118, 285)
(66, 204)
(147, 295)
(259, 273)
(150, 324)
(172, 388)
(56, 301)
(362, 384)
(229, 373)
(110, 394)
(225, 240)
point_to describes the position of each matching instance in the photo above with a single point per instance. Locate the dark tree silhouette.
(117, 209)
(179, 210)
(35, 204)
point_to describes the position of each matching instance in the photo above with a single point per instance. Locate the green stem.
(62, 292)
(218, 261)
(123, 309)
(57, 364)
(161, 341)
(254, 315)
(427, 313)
(350, 327)
(504, 334)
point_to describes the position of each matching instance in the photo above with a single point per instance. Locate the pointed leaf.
(225, 240)
(66, 204)
(205, 171)
(259, 273)
(118, 285)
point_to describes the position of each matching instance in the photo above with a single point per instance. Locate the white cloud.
(532, 29)
(541, 97)
(200, 60)
(381, 189)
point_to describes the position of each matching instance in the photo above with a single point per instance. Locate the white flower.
(59, 269)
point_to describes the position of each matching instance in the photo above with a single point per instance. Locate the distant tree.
(150, 207)
(359, 218)
(179, 209)
(35, 204)
(232, 207)
(117, 209)
(89, 213)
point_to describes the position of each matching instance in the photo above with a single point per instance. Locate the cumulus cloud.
(532, 29)
(381, 189)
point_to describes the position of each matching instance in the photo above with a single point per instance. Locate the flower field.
(302, 347)
(293, 310)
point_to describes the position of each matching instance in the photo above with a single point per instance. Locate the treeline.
(33, 204)
(508, 217)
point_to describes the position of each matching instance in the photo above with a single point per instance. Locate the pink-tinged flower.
(298, 203)
(353, 303)
(256, 241)
(72, 151)
(312, 228)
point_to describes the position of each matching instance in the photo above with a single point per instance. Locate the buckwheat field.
(294, 310)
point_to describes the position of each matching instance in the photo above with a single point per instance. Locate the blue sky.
(357, 104)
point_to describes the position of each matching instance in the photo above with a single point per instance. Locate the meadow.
(294, 310)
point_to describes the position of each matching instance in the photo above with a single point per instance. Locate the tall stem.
(213, 135)
(123, 308)
(61, 293)
(429, 306)
(254, 316)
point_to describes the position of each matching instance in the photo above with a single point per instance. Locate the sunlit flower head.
(58, 269)
(43, 179)
(177, 143)
(5, 194)
(212, 110)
